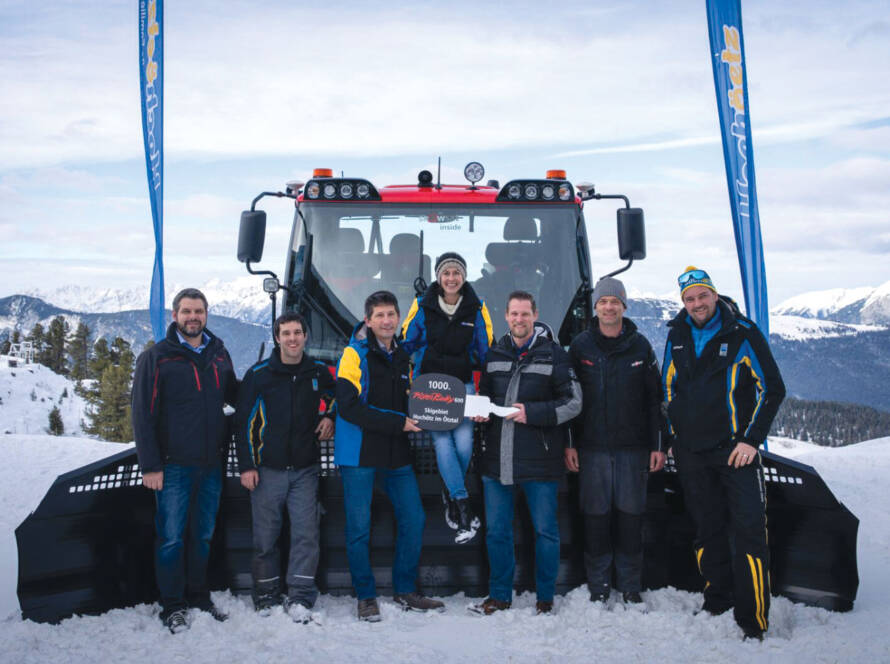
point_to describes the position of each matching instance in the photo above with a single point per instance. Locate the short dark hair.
(522, 295)
(190, 293)
(288, 317)
(380, 298)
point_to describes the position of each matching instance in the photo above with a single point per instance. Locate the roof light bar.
(543, 191)
(339, 189)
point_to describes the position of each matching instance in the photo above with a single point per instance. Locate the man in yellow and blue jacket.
(723, 389)
(371, 445)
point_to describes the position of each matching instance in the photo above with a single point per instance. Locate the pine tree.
(109, 413)
(79, 351)
(101, 359)
(52, 354)
(56, 425)
(7, 344)
(36, 336)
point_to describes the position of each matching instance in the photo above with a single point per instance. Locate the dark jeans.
(179, 568)
(541, 499)
(297, 492)
(726, 501)
(613, 480)
(400, 485)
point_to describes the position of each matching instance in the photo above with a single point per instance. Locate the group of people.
(602, 409)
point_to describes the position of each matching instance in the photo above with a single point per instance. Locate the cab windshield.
(359, 250)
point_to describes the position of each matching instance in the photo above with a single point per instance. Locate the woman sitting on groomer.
(448, 329)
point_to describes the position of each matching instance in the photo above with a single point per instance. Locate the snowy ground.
(28, 393)
(578, 632)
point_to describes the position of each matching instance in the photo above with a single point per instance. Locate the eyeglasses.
(686, 277)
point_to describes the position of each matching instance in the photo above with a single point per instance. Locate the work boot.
(465, 530)
(752, 634)
(632, 597)
(714, 607)
(599, 593)
(543, 607)
(451, 517)
(298, 612)
(417, 602)
(488, 606)
(216, 613)
(265, 602)
(368, 610)
(177, 621)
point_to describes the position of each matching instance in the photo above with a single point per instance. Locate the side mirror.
(631, 234)
(251, 236)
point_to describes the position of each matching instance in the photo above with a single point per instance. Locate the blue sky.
(618, 94)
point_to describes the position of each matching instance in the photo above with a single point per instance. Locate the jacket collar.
(213, 345)
(623, 340)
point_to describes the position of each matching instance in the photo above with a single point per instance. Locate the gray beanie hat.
(609, 286)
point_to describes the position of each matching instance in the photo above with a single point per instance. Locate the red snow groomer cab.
(350, 239)
(87, 548)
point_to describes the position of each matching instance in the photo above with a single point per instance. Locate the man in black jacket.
(179, 389)
(276, 424)
(526, 370)
(723, 389)
(618, 441)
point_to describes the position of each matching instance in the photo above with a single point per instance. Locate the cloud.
(398, 83)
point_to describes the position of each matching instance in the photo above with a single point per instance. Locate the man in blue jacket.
(723, 389)
(371, 443)
(276, 424)
(179, 389)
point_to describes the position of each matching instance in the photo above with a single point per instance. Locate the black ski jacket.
(543, 380)
(178, 398)
(453, 346)
(621, 386)
(731, 393)
(278, 411)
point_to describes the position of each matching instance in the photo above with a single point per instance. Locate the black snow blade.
(88, 547)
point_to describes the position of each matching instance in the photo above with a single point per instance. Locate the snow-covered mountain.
(867, 305)
(242, 299)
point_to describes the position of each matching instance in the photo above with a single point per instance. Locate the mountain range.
(831, 345)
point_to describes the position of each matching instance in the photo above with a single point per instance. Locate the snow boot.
(488, 606)
(417, 602)
(451, 517)
(543, 607)
(368, 610)
(466, 531)
(177, 621)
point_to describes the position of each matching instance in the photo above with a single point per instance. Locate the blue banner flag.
(731, 83)
(151, 78)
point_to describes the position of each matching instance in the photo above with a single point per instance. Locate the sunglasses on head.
(686, 277)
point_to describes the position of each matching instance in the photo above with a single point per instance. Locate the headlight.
(345, 190)
(531, 191)
(363, 190)
(330, 191)
(565, 192)
(474, 172)
(547, 191)
(313, 190)
(514, 191)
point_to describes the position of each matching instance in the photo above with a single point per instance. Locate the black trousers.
(613, 492)
(728, 506)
